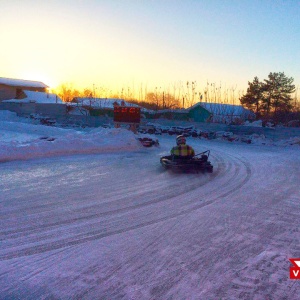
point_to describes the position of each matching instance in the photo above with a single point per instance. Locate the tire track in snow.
(231, 185)
(36, 228)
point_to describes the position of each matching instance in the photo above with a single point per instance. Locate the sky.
(116, 44)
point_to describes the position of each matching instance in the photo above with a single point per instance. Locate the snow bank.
(25, 141)
(290, 142)
(256, 139)
(260, 139)
(6, 115)
(257, 123)
(21, 139)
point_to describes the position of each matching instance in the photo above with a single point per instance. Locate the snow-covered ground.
(92, 215)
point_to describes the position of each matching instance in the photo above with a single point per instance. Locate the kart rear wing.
(207, 152)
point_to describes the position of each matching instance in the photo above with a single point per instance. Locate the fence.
(24, 109)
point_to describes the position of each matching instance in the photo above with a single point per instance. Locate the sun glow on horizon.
(41, 77)
(114, 46)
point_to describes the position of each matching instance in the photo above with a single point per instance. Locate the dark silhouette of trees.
(278, 89)
(271, 97)
(254, 97)
(157, 101)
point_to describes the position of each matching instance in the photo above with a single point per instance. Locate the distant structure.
(221, 113)
(26, 97)
(104, 103)
(206, 112)
(12, 88)
(35, 97)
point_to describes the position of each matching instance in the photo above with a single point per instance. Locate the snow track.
(120, 226)
(135, 207)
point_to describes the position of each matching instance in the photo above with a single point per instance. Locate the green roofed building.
(220, 113)
(206, 112)
(197, 113)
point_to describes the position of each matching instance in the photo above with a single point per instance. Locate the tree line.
(272, 97)
(175, 96)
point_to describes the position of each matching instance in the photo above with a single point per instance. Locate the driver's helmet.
(180, 140)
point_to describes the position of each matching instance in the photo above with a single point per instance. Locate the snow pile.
(6, 115)
(21, 139)
(256, 139)
(257, 123)
(289, 142)
(24, 141)
(37, 97)
(224, 134)
(260, 139)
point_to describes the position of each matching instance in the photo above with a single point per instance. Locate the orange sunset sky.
(115, 44)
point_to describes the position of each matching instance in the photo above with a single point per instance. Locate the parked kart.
(148, 142)
(197, 163)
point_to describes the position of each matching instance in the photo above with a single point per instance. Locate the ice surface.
(92, 215)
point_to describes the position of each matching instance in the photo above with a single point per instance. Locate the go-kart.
(148, 142)
(197, 163)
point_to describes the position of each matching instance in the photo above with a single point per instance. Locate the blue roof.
(223, 109)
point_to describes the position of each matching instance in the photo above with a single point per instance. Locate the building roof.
(102, 102)
(37, 97)
(177, 111)
(22, 83)
(223, 109)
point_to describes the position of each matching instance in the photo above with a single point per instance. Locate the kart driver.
(182, 149)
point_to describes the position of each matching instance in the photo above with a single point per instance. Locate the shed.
(36, 97)
(220, 113)
(198, 113)
(11, 88)
(30, 102)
